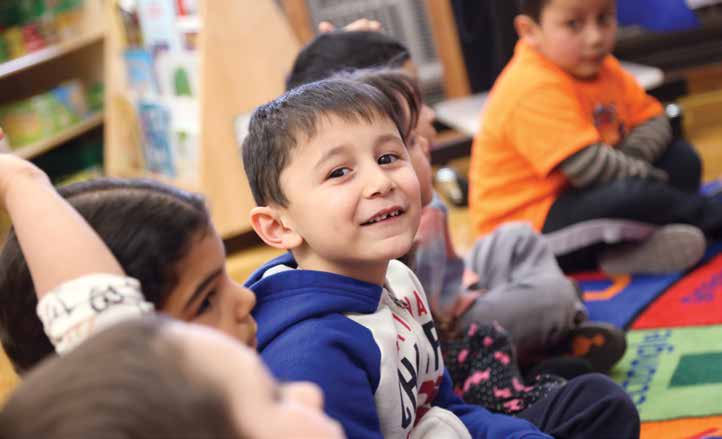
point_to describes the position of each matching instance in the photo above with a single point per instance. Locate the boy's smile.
(353, 196)
(385, 216)
(576, 34)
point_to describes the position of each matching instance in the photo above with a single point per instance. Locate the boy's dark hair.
(397, 86)
(532, 8)
(148, 226)
(276, 127)
(130, 381)
(333, 52)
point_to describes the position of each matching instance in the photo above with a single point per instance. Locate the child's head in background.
(576, 35)
(329, 170)
(336, 51)
(344, 51)
(151, 378)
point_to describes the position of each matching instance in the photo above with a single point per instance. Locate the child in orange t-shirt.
(571, 143)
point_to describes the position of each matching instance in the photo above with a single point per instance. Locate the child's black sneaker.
(602, 344)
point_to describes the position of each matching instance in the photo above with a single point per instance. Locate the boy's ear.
(526, 28)
(273, 230)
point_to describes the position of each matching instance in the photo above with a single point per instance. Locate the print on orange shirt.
(607, 121)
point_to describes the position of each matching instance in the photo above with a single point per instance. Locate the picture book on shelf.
(158, 24)
(140, 72)
(178, 74)
(155, 123)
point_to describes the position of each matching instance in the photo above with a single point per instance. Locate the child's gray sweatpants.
(527, 293)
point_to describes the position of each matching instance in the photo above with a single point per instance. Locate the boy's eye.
(339, 172)
(606, 19)
(207, 302)
(387, 159)
(574, 24)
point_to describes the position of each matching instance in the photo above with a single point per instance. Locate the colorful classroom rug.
(693, 428)
(695, 300)
(673, 373)
(673, 365)
(621, 300)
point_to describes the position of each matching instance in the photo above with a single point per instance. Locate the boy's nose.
(244, 300)
(594, 35)
(378, 183)
(235, 313)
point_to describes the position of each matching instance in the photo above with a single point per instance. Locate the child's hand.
(14, 170)
(362, 24)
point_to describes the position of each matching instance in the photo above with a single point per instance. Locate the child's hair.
(532, 8)
(332, 52)
(397, 86)
(148, 226)
(276, 127)
(130, 381)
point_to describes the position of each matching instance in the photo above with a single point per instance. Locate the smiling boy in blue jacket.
(330, 173)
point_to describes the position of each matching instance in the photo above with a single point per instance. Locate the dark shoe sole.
(602, 344)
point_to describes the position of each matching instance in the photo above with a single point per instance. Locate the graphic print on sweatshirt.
(412, 366)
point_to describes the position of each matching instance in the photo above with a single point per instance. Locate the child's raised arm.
(58, 244)
(81, 287)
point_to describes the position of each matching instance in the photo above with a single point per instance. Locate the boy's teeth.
(384, 216)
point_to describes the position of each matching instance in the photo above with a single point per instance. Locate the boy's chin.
(585, 73)
(392, 249)
(401, 251)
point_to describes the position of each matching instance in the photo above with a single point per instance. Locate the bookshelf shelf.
(17, 65)
(40, 147)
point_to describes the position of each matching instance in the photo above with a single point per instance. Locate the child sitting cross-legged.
(573, 144)
(331, 175)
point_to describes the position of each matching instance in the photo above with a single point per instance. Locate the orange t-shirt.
(537, 116)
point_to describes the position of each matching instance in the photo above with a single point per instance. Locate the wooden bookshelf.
(78, 57)
(18, 65)
(246, 48)
(73, 131)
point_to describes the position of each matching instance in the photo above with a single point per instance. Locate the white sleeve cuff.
(81, 307)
